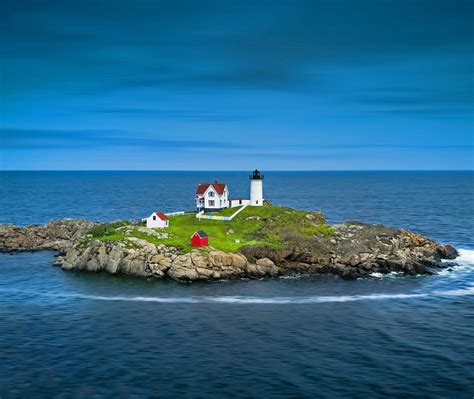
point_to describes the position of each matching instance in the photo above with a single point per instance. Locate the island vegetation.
(270, 226)
(258, 242)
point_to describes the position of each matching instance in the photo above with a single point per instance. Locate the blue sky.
(282, 85)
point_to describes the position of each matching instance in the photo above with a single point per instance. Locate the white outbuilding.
(157, 220)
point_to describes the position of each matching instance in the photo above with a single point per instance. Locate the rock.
(177, 273)
(157, 258)
(57, 235)
(238, 261)
(192, 274)
(165, 262)
(58, 260)
(274, 271)
(447, 252)
(182, 261)
(265, 262)
(252, 253)
(254, 218)
(220, 259)
(316, 217)
(114, 259)
(201, 265)
(355, 250)
(199, 259)
(204, 272)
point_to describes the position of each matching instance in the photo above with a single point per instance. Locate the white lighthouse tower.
(256, 188)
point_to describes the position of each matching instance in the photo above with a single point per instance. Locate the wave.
(253, 300)
(314, 299)
(387, 275)
(103, 297)
(465, 256)
(457, 292)
(463, 264)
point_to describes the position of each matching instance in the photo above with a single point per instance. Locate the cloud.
(143, 44)
(452, 95)
(456, 100)
(12, 138)
(275, 73)
(181, 114)
(39, 139)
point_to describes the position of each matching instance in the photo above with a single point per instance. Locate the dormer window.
(211, 193)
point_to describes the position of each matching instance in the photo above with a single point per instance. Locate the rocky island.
(261, 241)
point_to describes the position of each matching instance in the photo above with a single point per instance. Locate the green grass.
(183, 226)
(276, 226)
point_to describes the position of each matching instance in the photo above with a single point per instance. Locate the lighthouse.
(256, 188)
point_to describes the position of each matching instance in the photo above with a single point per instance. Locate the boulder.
(265, 262)
(220, 259)
(199, 259)
(177, 273)
(447, 252)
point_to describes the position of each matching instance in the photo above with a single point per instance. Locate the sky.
(222, 85)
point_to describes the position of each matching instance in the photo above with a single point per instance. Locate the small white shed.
(157, 220)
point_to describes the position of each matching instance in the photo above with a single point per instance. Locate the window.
(211, 203)
(154, 217)
(256, 202)
(211, 193)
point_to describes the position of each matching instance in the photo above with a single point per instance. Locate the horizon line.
(236, 170)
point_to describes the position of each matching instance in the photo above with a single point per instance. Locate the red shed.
(199, 239)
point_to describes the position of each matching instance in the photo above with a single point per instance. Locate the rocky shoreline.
(355, 250)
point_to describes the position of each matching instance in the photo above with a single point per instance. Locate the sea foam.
(469, 290)
(465, 256)
(463, 264)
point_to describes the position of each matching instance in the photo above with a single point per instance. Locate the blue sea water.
(79, 335)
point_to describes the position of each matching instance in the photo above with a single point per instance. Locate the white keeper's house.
(212, 196)
(215, 196)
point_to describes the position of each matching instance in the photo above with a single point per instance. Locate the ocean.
(80, 335)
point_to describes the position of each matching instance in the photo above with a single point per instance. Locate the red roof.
(219, 187)
(161, 215)
(200, 234)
